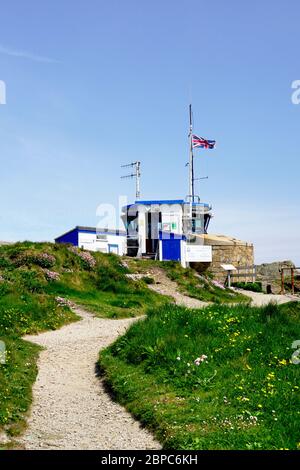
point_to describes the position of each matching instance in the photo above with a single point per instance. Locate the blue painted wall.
(70, 237)
(170, 246)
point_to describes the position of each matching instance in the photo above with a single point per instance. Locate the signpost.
(229, 268)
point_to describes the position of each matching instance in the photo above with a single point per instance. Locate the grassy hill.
(36, 282)
(216, 378)
(39, 280)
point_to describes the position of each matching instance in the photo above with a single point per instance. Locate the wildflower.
(253, 419)
(86, 257)
(178, 358)
(283, 362)
(51, 275)
(259, 405)
(63, 302)
(200, 359)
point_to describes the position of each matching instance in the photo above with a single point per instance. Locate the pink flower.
(51, 275)
(63, 302)
(86, 256)
(200, 359)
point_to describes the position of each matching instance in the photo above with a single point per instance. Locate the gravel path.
(71, 409)
(260, 299)
(168, 287)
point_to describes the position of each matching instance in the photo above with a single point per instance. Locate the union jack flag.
(199, 142)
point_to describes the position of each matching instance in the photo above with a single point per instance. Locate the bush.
(44, 260)
(87, 259)
(31, 280)
(252, 286)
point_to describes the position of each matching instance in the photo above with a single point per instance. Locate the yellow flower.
(259, 406)
(283, 362)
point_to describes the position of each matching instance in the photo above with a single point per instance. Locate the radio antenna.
(136, 174)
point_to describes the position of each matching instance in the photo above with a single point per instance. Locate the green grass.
(25, 307)
(106, 290)
(252, 286)
(28, 305)
(16, 379)
(245, 396)
(199, 286)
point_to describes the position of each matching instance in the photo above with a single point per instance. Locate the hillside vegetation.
(190, 282)
(217, 378)
(37, 281)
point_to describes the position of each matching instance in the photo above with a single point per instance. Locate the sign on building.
(198, 253)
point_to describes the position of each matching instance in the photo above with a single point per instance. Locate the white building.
(96, 239)
(168, 230)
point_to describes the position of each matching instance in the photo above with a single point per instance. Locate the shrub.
(51, 275)
(44, 260)
(87, 259)
(31, 280)
(252, 286)
(4, 262)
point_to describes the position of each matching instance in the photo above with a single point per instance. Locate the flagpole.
(191, 163)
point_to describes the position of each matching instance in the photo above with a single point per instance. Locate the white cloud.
(25, 55)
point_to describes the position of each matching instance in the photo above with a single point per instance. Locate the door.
(171, 249)
(112, 248)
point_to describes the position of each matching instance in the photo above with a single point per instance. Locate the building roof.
(81, 228)
(165, 201)
(214, 239)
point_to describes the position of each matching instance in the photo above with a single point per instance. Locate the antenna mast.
(136, 175)
(191, 160)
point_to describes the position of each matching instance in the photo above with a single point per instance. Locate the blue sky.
(94, 84)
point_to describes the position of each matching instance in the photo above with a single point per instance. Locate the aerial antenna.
(136, 174)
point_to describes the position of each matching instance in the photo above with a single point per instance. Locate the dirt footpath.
(260, 299)
(71, 409)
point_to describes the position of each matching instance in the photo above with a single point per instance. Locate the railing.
(248, 273)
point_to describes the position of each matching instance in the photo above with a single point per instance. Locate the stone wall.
(229, 250)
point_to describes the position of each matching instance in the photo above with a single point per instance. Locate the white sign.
(196, 253)
(228, 267)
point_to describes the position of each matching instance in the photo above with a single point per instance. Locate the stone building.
(229, 250)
